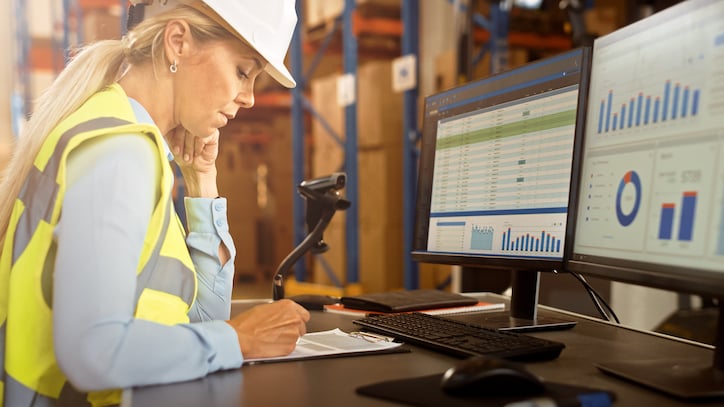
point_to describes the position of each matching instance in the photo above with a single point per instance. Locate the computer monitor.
(495, 175)
(651, 195)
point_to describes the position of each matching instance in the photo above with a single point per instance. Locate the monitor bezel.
(419, 248)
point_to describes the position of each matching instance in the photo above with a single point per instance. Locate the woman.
(100, 286)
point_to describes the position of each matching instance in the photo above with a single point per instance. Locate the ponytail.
(91, 70)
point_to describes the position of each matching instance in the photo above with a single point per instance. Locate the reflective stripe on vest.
(41, 188)
(166, 283)
(160, 272)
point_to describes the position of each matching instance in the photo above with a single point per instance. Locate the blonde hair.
(92, 69)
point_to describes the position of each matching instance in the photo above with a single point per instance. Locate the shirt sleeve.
(208, 227)
(98, 342)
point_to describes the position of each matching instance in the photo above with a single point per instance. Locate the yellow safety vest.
(166, 278)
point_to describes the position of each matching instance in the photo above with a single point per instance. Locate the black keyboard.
(460, 339)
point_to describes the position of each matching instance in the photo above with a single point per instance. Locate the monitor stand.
(685, 379)
(522, 314)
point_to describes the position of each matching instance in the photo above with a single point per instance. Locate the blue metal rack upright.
(349, 51)
(298, 136)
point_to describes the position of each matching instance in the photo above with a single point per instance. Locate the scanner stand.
(321, 207)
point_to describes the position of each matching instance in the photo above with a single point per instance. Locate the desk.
(332, 382)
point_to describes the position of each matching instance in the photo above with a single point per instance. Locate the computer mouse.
(484, 375)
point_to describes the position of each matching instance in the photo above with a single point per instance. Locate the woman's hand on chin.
(196, 157)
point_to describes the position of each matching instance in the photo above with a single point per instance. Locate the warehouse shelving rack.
(351, 26)
(495, 35)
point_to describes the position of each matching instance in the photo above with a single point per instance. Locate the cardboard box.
(434, 275)
(379, 108)
(281, 186)
(327, 154)
(255, 174)
(321, 12)
(379, 114)
(380, 187)
(380, 257)
(601, 20)
(446, 71)
(379, 162)
(236, 182)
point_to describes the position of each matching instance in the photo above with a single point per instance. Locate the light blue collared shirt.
(106, 210)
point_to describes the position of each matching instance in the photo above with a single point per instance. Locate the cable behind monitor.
(597, 299)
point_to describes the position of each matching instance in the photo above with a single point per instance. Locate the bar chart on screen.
(537, 241)
(680, 201)
(662, 87)
(481, 237)
(674, 101)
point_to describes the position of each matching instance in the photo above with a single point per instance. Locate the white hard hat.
(267, 25)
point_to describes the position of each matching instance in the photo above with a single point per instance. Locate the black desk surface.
(332, 382)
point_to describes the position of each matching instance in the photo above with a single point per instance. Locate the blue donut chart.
(632, 178)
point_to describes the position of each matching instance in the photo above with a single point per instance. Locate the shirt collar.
(142, 116)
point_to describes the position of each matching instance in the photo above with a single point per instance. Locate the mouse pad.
(426, 392)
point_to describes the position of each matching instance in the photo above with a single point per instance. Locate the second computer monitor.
(651, 199)
(496, 170)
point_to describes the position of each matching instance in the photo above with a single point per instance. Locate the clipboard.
(336, 343)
